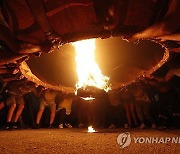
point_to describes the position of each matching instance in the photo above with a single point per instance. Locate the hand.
(29, 48)
(15, 71)
(25, 58)
(151, 77)
(53, 37)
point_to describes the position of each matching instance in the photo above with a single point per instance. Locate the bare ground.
(79, 141)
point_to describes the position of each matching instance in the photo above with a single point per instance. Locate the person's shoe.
(8, 126)
(153, 126)
(37, 126)
(143, 126)
(68, 125)
(162, 127)
(112, 126)
(15, 125)
(126, 126)
(81, 125)
(50, 126)
(61, 126)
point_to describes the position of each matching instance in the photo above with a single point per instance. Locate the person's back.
(66, 104)
(142, 104)
(49, 95)
(140, 94)
(13, 87)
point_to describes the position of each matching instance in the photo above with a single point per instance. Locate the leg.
(20, 102)
(166, 26)
(79, 112)
(19, 111)
(40, 112)
(146, 109)
(133, 113)
(7, 36)
(53, 112)
(39, 115)
(1, 105)
(38, 11)
(139, 111)
(10, 112)
(111, 115)
(128, 115)
(62, 116)
(12, 103)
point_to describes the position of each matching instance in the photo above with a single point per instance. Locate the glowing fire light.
(91, 129)
(88, 98)
(89, 73)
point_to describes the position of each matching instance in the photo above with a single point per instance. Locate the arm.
(171, 73)
(12, 46)
(38, 11)
(1, 105)
(14, 77)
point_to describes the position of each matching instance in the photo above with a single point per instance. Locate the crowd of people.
(145, 103)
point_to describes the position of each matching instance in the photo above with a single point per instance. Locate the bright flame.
(91, 129)
(88, 98)
(89, 73)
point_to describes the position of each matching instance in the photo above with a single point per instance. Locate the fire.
(91, 129)
(88, 98)
(88, 71)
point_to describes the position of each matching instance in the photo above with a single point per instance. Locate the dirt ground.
(79, 141)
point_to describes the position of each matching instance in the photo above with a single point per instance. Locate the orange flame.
(89, 73)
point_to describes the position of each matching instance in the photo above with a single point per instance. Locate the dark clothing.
(31, 108)
(165, 107)
(116, 115)
(143, 112)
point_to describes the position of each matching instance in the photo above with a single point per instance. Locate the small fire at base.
(91, 129)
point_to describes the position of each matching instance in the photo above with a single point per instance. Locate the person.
(30, 109)
(47, 99)
(162, 25)
(1, 102)
(2, 109)
(167, 98)
(1, 93)
(167, 27)
(64, 107)
(5, 69)
(38, 11)
(12, 49)
(1, 84)
(169, 75)
(116, 113)
(15, 91)
(128, 102)
(15, 46)
(82, 108)
(143, 104)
